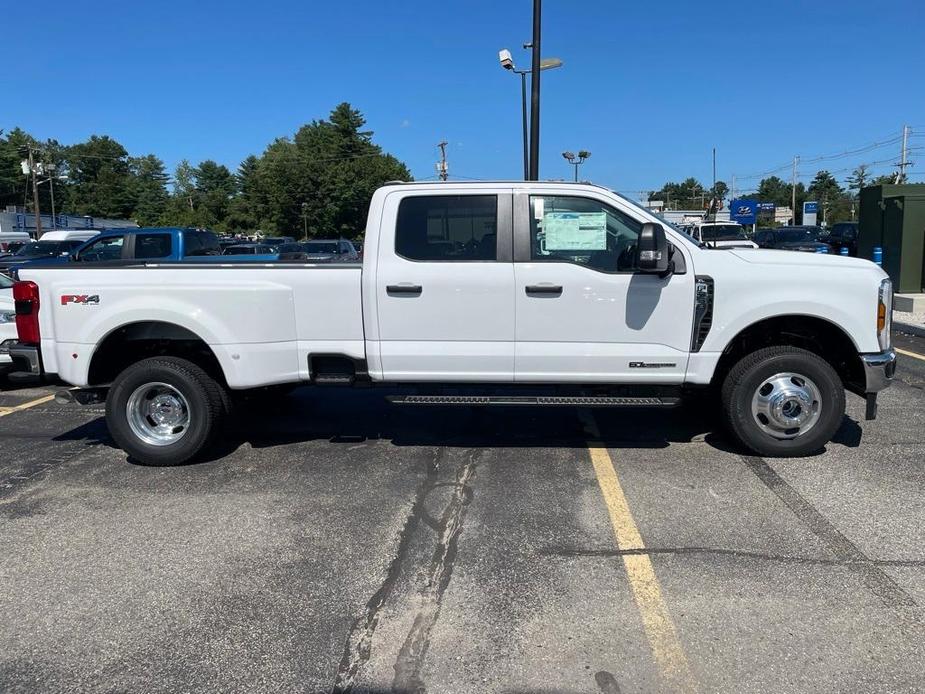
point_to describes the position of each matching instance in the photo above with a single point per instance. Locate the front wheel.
(783, 401)
(164, 410)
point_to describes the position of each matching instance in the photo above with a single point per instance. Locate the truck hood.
(732, 243)
(767, 256)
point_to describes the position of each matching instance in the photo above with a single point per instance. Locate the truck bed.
(260, 320)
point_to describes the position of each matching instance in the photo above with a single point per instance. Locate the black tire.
(207, 407)
(744, 379)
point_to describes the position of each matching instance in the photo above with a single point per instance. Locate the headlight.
(885, 314)
(7, 317)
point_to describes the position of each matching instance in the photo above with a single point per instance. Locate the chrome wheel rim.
(158, 414)
(786, 405)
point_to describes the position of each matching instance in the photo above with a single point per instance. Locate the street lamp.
(576, 160)
(507, 62)
(305, 220)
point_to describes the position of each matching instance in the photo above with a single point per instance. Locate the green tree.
(13, 188)
(100, 180)
(834, 204)
(884, 180)
(858, 179)
(215, 187)
(149, 189)
(689, 194)
(332, 168)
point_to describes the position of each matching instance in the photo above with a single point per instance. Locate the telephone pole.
(904, 162)
(793, 190)
(442, 169)
(35, 195)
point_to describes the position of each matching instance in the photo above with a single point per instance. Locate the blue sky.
(649, 88)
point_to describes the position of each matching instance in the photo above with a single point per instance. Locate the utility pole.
(535, 92)
(793, 190)
(442, 170)
(733, 187)
(35, 195)
(714, 202)
(903, 162)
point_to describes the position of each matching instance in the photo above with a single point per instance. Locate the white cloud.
(406, 123)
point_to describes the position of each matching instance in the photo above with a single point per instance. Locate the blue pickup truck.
(163, 244)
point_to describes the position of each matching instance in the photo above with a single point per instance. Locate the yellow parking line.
(659, 627)
(914, 355)
(26, 405)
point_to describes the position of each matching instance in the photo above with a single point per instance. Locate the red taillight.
(26, 296)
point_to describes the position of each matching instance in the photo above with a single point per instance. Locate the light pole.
(535, 92)
(305, 220)
(507, 62)
(576, 160)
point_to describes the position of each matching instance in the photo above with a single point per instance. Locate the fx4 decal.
(84, 299)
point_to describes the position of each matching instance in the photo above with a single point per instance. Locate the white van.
(69, 235)
(8, 238)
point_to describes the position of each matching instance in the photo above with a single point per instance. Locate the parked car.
(43, 250)
(721, 235)
(527, 293)
(12, 241)
(7, 322)
(276, 241)
(843, 235)
(136, 243)
(792, 238)
(255, 249)
(320, 251)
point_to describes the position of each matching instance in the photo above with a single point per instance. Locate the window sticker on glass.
(575, 231)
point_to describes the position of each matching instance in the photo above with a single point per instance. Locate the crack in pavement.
(358, 644)
(414, 650)
(874, 578)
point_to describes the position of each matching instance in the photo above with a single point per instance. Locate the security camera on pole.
(507, 62)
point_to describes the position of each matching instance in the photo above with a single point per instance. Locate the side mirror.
(653, 249)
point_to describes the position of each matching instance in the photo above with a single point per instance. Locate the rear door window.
(152, 246)
(449, 228)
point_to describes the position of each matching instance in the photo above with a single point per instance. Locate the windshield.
(840, 231)
(239, 250)
(797, 235)
(723, 232)
(321, 247)
(41, 248)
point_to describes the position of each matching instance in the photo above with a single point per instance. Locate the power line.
(826, 157)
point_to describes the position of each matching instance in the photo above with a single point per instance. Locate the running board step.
(536, 401)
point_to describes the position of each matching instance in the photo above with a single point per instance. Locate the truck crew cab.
(528, 293)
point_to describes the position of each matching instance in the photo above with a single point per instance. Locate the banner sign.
(809, 213)
(743, 211)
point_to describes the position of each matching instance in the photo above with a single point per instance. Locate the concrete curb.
(917, 330)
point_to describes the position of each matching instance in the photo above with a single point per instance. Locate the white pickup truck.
(512, 293)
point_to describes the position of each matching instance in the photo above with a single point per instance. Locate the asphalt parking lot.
(339, 543)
